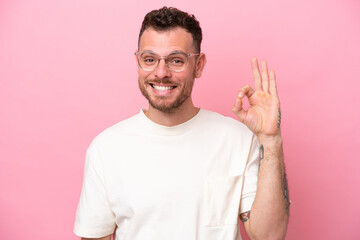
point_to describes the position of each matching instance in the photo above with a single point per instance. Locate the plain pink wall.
(67, 72)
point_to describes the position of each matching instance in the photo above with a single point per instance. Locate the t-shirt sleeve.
(94, 217)
(250, 177)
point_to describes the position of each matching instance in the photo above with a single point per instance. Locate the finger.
(265, 76)
(256, 73)
(246, 91)
(238, 105)
(241, 114)
(272, 80)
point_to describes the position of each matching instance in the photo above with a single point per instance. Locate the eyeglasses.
(175, 61)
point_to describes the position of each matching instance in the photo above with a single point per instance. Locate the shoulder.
(118, 131)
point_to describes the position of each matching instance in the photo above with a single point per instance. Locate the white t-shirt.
(186, 182)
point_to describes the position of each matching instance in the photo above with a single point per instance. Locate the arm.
(270, 210)
(269, 213)
(103, 238)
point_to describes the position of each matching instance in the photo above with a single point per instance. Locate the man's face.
(165, 89)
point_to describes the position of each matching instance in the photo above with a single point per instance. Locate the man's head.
(166, 19)
(169, 59)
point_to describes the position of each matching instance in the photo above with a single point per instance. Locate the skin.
(269, 213)
(163, 43)
(103, 238)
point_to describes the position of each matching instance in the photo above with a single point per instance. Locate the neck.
(180, 115)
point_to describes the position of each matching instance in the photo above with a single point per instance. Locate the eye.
(148, 59)
(176, 61)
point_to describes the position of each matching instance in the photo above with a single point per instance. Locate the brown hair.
(167, 18)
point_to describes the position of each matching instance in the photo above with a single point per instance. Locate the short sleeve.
(251, 174)
(94, 217)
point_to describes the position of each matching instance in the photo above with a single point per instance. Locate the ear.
(137, 64)
(200, 64)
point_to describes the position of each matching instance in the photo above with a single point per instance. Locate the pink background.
(67, 72)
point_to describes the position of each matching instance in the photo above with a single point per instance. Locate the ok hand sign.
(263, 116)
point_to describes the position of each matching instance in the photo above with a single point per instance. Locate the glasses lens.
(148, 61)
(177, 61)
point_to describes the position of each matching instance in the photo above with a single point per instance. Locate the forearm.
(270, 211)
(103, 238)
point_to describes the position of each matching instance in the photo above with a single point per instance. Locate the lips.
(162, 88)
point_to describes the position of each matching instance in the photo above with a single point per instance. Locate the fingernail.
(238, 102)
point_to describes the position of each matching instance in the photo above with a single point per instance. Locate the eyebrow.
(173, 52)
(176, 52)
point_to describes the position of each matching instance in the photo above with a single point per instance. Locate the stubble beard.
(158, 104)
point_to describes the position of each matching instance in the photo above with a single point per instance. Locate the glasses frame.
(138, 53)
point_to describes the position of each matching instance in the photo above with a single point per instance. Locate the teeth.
(162, 88)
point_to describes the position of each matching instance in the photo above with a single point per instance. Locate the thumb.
(239, 110)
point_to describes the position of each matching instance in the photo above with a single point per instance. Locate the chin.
(168, 107)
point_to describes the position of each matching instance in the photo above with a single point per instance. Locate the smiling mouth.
(161, 88)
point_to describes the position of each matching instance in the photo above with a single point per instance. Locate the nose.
(162, 71)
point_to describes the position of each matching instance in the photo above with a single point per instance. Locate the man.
(175, 171)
